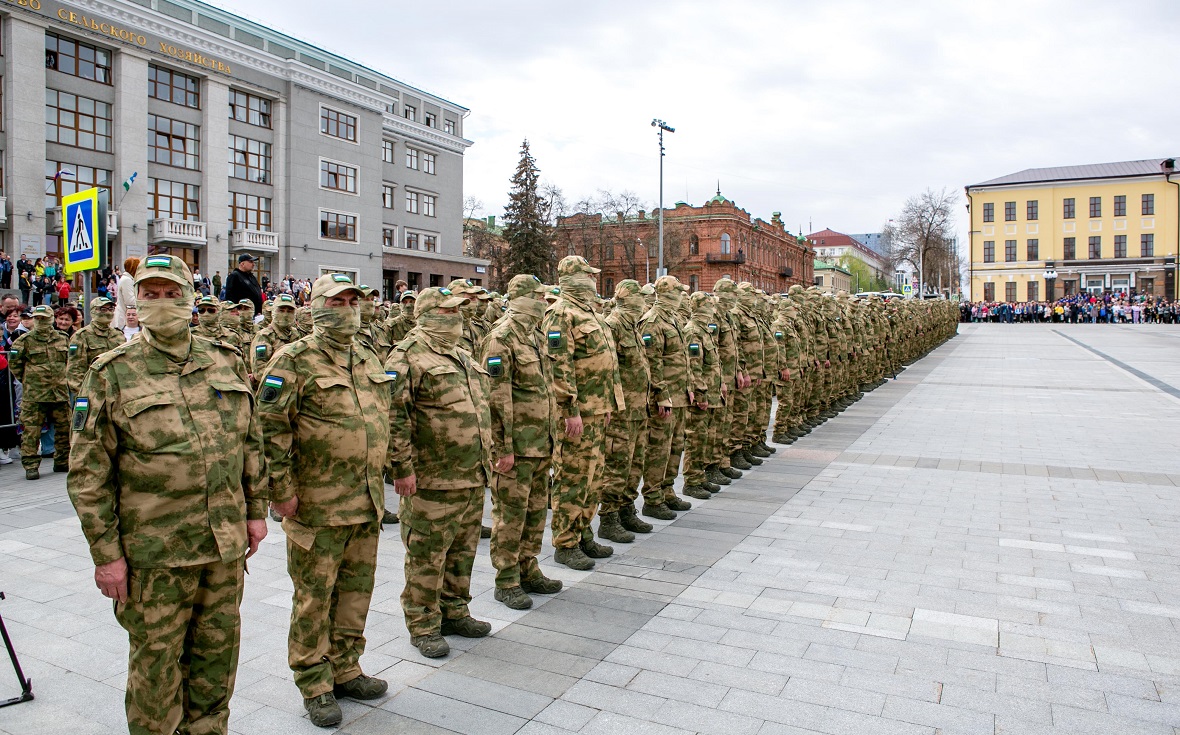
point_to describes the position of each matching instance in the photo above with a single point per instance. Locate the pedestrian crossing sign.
(84, 223)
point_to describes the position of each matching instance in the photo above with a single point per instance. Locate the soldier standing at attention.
(323, 405)
(524, 430)
(667, 355)
(588, 391)
(705, 382)
(167, 482)
(231, 325)
(401, 320)
(440, 460)
(38, 360)
(373, 332)
(208, 319)
(270, 339)
(92, 340)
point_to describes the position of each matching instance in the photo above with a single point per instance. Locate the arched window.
(694, 245)
(725, 243)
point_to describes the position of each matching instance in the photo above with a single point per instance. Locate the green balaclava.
(166, 323)
(335, 325)
(42, 325)
(368, 310)
(208, 322)
(443, 330)
(303, 320)
(283, 319)
(103, 318)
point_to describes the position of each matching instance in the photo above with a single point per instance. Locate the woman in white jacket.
(126, 292)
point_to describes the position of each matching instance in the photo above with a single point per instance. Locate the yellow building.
(1096, 228)
(831, 278)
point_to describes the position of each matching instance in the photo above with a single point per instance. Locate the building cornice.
(1066, 183)
(403, 127)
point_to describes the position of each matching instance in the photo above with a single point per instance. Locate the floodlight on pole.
(662, 126)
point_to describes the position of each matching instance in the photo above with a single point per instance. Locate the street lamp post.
(662, 126)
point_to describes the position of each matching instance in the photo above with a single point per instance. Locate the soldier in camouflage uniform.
(166, 478)
(472, 326)
(270, 339)
(303, 321)
(248, 327)
(230, 319)
(373, 332)
(401, 319)
(440, 458)
(588, 391)
(524, 429)
(705, 384)
(91, 341)
(749, 340)
(626, 436)
(667, 356)
(209, 319)
(732, 363)
(323, 406)
(38, 360)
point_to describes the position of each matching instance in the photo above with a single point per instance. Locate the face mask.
(408, 309)
(104, 318)
(531, 309)
(671, 299)
(166, 322)
(468, 309)
(208, 321)
(284, 319)
(42, 325)
(247, 317)
(444, 330)
(337, 324)
(580, 287)
(704, 312)
(368, 309)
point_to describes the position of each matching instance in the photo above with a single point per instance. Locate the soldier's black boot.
(661, 512)
(632, 522)
(717, 477)
(751, 458)
(362, 687)
(677, 503)
(611, 529)
(782, 439)
(389, 519)
(593, 549)
(485, 531)
(514, 597)
(766, 447)
(731, 472)
(697, 491)
(32, 473)
(711, 486)
(323, 711)
(468, 627)
(573, 558)
(738, 460)
(538, 584)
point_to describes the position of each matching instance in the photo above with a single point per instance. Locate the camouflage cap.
(435, 298)
(699, 298)
(42, 312)
(648, 290)
(366, 291)
(628, 287)
(283, 300)
(665, 284)
(524, 285)
(795, 290)
(332, 284)
(230, 305)
(209, 301)
(246, 302)
(99, 302)
(571, 265)
(553, 294)
(463, 287)
(166, 267)
(407, 294)
(483, 294)
(724, 285)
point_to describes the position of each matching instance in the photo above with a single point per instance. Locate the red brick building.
(701, 244)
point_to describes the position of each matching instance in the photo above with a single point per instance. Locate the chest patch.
(646, 340)
(271, 387)
(694, 350)
(778, 336)
(554, 339)
(73, 349)
(495, 367)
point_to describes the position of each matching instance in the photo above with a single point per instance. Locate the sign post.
(907, 290)
(84, 221)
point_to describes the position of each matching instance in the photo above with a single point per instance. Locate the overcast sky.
(832, 113)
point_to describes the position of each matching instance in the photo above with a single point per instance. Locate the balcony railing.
(735, 258)
(177, 232)
(786, 271)
(267, 242)
(3, 211)
(55, 222)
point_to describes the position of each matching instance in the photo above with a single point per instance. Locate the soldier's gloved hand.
(505, 463)
(286, 509)
(111, 579)
(255, 532)
(573, 427)
(406, 486)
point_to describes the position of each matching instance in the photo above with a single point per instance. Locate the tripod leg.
(26, 685)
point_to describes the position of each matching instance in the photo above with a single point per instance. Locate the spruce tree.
(526, 228)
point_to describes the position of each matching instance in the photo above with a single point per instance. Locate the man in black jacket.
(241, 284)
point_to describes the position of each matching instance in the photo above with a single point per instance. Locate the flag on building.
(127, 184)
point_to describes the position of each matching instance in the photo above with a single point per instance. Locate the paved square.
(988, 544)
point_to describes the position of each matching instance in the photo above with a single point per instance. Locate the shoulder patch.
(554, 337)
(73, 349)
(495, 366)
(778, 335)
(271, 387)
(712, 328)
(260, 350)
(81, 412)
(647, 340)
(694, 349)
(392, 374)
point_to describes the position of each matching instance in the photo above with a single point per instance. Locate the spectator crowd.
(1108, 308)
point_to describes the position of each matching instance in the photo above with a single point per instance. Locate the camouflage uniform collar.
(158, 363)
(342, 358)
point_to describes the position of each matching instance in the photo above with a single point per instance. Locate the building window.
(989, 212)
(172, 86)
(989, 292)
(77, 121)
(337, 124)
(1009, 251)
(409, 112)
(1034, 292)
(428, 160)
(249, 109)
(694, 284)
(1120, 246)
(1147, 246)
(989, 251)
(1070, 248)
(694, 244)
(1149, 204)
(428, 202)
(412, 202)
(1032, 210)
(387, 151)
(1095, 206)
(249, 159)
(1095, 247)
(411, 240)
(387, 196)
(1034, 249)
(337, 176)
(1120, 206)
(449, 127)
(725, 243)
(1010, 291)
(388, 237)
(248, 212)
(429, 119)
(412, 159)
(174, 143)
(1009, 211)
(72, 180)
(77, 59)
(174, 200)
(336, 226)
(430, 243)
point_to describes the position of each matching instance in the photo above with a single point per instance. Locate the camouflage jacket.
(523, 409)
(441, 426)
(728, 354)
(634, 373)
(166, 458)
(87, 344)
(786, 341)
(266, 344)
(819, 331)
(771, 354)
(704, 362)
(39, 363)
(376, 337)
(667, 355)
(324, 418)
(585, 367)
(749, 339)
(398, 327)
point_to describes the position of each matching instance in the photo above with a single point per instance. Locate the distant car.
(886, 295)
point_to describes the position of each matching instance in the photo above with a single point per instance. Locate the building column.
(280, 219)
(131, 140)
(214, 186)
(24, 97)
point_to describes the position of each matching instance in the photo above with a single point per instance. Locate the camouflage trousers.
(577, 482)
(719, 432)
(698, 443)
(759, 418)
(622, 470)
(332, 570)
(665, 445)
(787, 393)
(738, 418)
(184, 629)
(440, 529)
(520, 501)
(34, 415)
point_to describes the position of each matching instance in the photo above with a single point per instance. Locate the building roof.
(1116, 170)
(873, 241)
(832, 239)
(820, 265)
